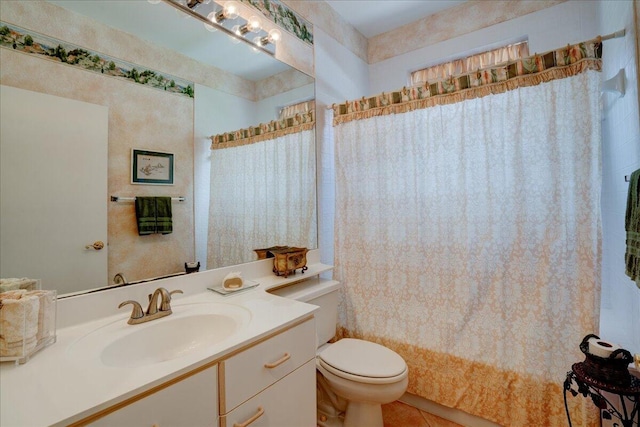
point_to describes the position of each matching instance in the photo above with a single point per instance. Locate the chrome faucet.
(153, 312)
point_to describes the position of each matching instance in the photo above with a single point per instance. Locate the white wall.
(550, 28)
(340, 75)
(620, 309)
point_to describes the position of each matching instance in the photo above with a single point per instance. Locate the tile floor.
(398, 414)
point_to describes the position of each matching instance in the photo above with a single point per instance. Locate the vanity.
(237, 360)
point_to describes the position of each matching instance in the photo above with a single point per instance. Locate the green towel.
(146, 215)
(632, 226)
(164, 223)
(153, 215)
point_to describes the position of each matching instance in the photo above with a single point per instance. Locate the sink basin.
(190, 328)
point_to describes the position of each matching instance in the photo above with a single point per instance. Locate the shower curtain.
(468, 240)
(262, 195)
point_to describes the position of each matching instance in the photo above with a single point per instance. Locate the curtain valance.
(471, 63)
(264, 131)
(530, 71)
(299, 108)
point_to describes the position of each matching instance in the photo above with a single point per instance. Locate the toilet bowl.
(355, 377)
(366, 375)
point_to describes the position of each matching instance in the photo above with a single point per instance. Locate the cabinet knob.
(278, 362)
(252, 419)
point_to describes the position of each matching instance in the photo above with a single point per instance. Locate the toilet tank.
(323, 293)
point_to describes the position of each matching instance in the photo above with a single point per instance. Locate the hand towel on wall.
(153, 215)
(632, 226)
(164, 221)
(146, 215)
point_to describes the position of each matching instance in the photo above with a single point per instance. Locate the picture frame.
(151, 167)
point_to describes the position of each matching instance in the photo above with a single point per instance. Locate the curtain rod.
(614, 35)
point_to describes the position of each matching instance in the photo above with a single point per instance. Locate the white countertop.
(55, 388)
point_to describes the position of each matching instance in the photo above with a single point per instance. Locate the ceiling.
(373, 17)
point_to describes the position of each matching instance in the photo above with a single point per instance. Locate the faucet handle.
(166, 302)
(136, 313)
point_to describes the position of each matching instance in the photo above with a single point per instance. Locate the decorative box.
(266, 252)
(287, 260)
(27, 323)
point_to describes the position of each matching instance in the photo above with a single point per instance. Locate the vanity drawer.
(290, 402)
(247, 373)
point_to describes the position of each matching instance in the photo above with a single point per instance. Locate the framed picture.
(151, 167)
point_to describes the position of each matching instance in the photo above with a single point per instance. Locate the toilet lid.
(363, 358)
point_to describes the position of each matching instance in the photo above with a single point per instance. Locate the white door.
(53, 189)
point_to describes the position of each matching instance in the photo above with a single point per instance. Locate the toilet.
(354, 377)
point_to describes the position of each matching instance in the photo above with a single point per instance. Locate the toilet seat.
(363, 361)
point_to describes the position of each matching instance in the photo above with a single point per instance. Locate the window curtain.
(468, 238)
(262, 195)
(471, 63)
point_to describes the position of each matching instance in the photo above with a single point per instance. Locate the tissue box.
(287, 260)
(27, 323)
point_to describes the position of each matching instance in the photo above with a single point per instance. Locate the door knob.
(97, 245)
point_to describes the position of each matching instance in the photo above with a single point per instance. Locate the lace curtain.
(471, 63)
(468, 240)
(262, 194)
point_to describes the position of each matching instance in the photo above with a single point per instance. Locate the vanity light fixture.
(193, 3)
(273, 37)
(211, 17)
(229, 11)
(253, 25)
(216, 20)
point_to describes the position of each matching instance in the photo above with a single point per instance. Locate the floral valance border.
(265, 131)
(284, 17)
(52, 49)
(533, 70)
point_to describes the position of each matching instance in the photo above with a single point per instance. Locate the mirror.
(234, 87)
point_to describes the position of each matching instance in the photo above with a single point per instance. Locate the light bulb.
(211, 17)
(230, 10)
(154, 1)
(274, 35)
(254, 24)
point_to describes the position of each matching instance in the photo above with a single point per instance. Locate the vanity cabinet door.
(192, 402)
(289, 402)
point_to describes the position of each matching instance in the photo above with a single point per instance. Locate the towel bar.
(132, 199)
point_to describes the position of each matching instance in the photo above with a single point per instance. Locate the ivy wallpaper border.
(284, 17)
(30, 42)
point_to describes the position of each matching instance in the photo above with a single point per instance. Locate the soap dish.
(248, 284)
